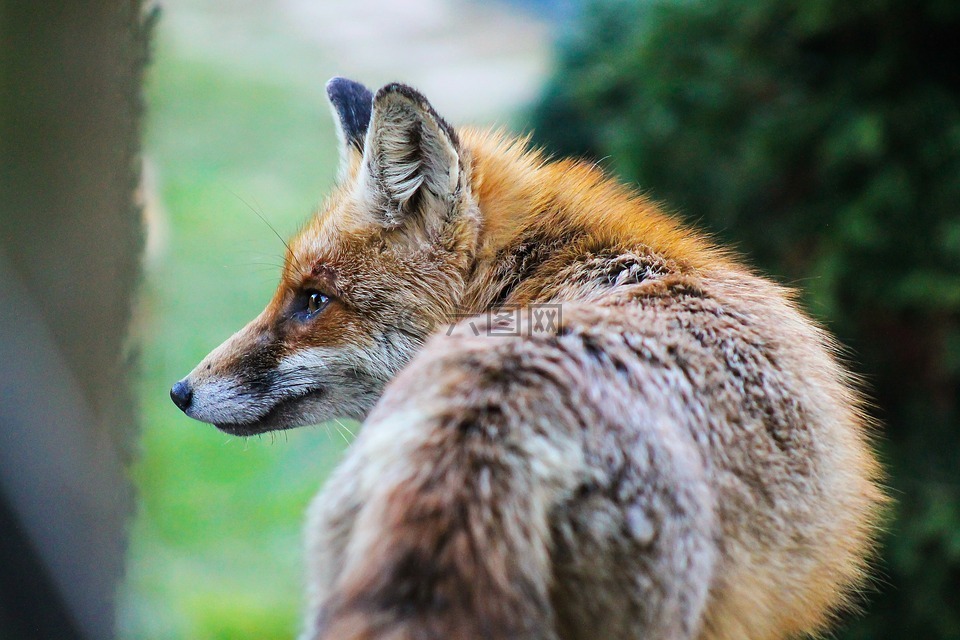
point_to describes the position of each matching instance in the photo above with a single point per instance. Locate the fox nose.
(182, 394)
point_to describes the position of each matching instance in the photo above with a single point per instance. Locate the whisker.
(341, 432)
(263, 217)
(346, 428)
(271, 227)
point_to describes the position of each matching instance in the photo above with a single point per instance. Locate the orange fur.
(682, 456)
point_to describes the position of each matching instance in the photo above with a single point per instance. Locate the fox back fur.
(676, 453)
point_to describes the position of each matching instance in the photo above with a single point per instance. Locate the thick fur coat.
(660, 445)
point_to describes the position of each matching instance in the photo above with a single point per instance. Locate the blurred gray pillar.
(70, 241)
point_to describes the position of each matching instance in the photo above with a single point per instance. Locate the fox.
(582, 418)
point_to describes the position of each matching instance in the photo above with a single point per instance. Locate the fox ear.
(411, 153)
(352, 103)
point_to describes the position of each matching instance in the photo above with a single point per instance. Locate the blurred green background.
(819, 137)
(215, 545)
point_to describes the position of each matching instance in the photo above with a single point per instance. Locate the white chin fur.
(224, 400)
(308, 387)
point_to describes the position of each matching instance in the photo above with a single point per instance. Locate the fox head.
(381, 264)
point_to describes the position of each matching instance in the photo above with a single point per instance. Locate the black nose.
(182, 394)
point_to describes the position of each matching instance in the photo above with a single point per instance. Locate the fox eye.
(315, 302)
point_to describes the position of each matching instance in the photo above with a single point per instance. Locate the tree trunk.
(70, 245)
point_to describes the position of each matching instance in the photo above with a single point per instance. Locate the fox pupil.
(315, 302)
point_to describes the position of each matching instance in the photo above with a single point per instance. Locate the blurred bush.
(823, 139)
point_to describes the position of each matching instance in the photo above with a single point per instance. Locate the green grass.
(216, 542)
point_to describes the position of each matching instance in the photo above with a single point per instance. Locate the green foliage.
(823, 139)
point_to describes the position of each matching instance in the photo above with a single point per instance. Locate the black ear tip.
(353, 103)
(343, 90)
(336, 84)
(404, 90)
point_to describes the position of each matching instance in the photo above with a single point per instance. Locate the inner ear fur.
(409, 150)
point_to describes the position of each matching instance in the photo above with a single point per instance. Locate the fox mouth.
(285, 414)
